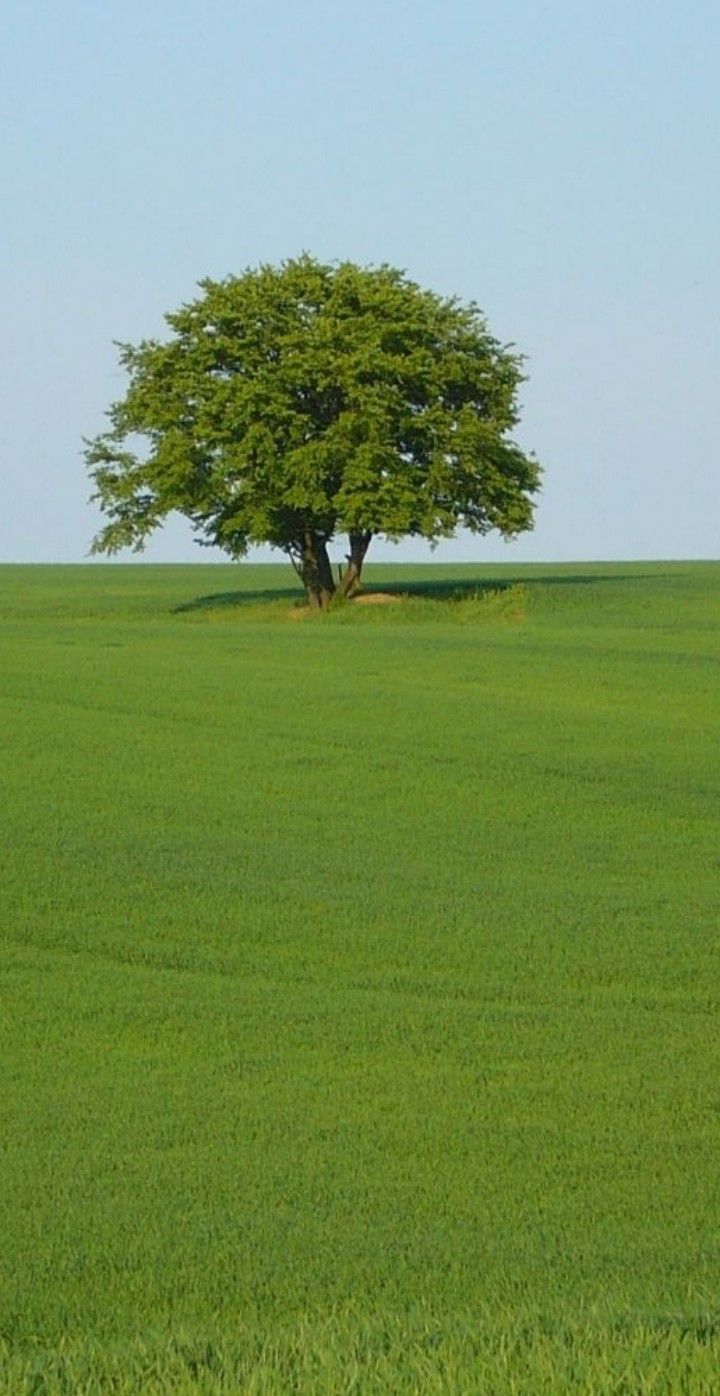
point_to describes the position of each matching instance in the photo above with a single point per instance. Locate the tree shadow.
(431, 589)
(460, 588)
(230, 600)
(438, 589)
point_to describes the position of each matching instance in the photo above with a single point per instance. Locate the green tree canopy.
(291, 404)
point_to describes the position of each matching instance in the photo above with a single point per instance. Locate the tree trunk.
(350, 581)
(316, 571)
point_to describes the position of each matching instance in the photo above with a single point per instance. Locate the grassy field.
(360, 981)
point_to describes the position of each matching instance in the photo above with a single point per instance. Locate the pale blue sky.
(555, 160)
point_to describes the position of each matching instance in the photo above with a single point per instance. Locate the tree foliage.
(291, 404)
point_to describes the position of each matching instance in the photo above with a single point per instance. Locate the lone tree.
(294, 403)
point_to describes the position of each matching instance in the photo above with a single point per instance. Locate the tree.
(294, 403)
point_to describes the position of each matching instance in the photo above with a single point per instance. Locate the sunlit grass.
(359, 981)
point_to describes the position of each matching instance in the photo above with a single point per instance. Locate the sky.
(556, 161)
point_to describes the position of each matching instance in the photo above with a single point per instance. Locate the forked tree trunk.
(350, 581)
(309, 556)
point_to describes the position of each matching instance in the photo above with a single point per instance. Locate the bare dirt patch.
(376, 598)
(364, 598)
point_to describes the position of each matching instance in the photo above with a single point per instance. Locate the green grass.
(360, 982)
